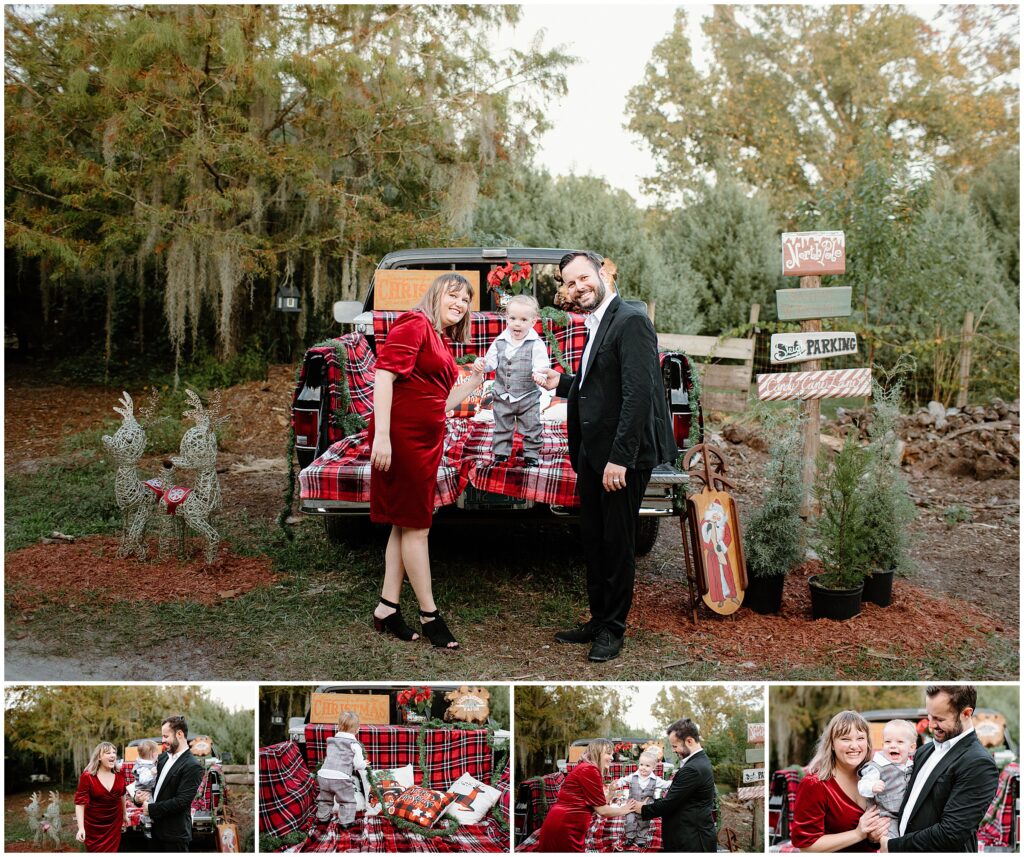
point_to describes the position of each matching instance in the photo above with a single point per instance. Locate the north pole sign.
(813, 254)
(830, 384)
(797, 347)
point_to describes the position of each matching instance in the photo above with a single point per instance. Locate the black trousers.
(170, 845)
(608, 528)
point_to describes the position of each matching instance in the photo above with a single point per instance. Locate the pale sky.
(234, 695)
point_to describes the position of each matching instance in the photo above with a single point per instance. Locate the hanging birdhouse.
(289, 298)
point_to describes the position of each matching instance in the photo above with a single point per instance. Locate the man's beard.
(600, 293)
(684, 753)
(173, 745)
(953, 731)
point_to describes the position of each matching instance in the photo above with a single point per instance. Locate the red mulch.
(913, 626)
(89, 572)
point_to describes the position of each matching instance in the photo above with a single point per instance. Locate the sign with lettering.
(810, 254)
(828, 384)
(799, 304)
(796, 347)
(372, 708)
(753, 775)
(401, 290)
(755, 733)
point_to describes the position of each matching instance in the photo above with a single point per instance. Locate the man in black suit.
(953, 782)
(619, 431)
(687, 824)
(178, 775)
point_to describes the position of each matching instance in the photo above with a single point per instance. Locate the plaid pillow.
(391, 784)
(471, 799)
(469, 406)
(421, 806)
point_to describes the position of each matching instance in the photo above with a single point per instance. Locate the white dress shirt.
(167, 766)
(687, 759)
(937, 755)
(358, 760)
(592, 322)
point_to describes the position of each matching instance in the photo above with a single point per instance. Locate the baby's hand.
(479, 367)
(878, 787)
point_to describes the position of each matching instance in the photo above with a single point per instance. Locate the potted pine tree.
(774, 532)
(889, 511)
(841, 534)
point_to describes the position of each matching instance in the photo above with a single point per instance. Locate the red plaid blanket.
(378, 835)
(998, 824)
(623, 769)
(541, 794)
(287, 790)
(604, 835)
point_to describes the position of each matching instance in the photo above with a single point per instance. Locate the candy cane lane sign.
(811, 254)
(798, 304)
(830, 384)
(796, 347)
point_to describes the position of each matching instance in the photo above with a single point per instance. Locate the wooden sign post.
(753, 788)
(809, 255)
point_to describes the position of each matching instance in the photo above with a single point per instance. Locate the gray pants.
(344, 791)
(527, 413)
(638, 829)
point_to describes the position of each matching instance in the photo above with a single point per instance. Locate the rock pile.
(982, 441)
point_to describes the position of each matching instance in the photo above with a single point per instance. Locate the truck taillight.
(681, 428)
(306, 422)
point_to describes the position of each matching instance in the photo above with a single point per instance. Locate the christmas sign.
(813, 254)
(468, 704)
(797, 347)
(830, 384)
(401, 290)
(753, 775)
(798, 304)
(372, 708)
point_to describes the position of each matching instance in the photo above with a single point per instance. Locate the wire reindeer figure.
(34, 822)
(198, 452)
(52, 824)
(134, 499)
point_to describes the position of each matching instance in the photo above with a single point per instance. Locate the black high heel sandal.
(437, 631)
(394, 623)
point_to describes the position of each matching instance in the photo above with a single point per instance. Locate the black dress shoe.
(530, 462)
(500, 458)
(583, 634)
(606, 646)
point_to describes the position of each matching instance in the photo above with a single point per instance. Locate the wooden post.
(811, 409)
(966, 336)
(650, 309)
(755, 314)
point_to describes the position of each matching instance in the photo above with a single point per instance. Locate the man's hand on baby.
(548, 378)
(878, 787)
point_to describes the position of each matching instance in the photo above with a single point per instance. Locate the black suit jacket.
(620, 414)
(172, 812)
(953, 802)
(687, 824)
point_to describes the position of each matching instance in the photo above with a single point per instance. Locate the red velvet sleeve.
(592, 786)
(808, 824)
(405, 339)
(82, 793)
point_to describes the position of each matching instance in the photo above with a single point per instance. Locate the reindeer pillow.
(471, 800)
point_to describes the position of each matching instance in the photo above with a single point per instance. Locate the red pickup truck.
(334, 397)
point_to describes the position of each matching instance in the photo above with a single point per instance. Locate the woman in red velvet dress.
(413, 388)
(100, 800)
(830, 814)
(582, 794)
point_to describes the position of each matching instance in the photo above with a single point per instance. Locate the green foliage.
(720, 712)
(841, 530)
(727, 239)
(995, 194)
(888, 508)
(773, 534)
(957, 514)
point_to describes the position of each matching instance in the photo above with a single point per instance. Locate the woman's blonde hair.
(823, 765)
(430, 305)
(94, 759)
(595, 750)
(348, 721)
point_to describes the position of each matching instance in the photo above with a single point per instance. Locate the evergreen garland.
(340, 417)
(550, 316)
(447, 828)
(278, 843)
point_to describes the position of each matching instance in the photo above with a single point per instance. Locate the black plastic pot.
(834, 603)
(878, 587)
(764, 594)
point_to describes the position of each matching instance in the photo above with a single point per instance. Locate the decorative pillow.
(471, 799)
(421, 806)
(469, 406)
(391, 784)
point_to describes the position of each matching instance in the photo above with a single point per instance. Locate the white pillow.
(402, 776)
(473, 800)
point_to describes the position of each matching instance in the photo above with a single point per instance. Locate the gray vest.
(340, 754)
(896, 780)
(637, 793)
(514, 376)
